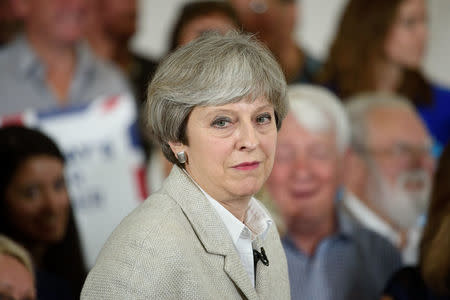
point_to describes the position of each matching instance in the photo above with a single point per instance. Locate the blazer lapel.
(208, 226)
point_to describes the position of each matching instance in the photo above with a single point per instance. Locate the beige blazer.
(175, 246)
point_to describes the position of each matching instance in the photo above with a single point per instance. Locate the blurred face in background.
(37, 201)
(406, 40)
(57, 21)
(212, 22)
(272, 20)
(306, 173)
(401, 165)
(16, 282)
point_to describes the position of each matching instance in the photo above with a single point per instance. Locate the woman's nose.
(248, 137)
(54, 201)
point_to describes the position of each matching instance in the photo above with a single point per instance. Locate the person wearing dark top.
(35, 211)
(274, 23)
(380, 46)
(430, 280)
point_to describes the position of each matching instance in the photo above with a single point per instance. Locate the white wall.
(315, 29)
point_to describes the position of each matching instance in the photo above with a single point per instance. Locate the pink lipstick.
(246, 166)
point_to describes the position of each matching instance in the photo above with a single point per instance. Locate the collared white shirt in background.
(370, 220)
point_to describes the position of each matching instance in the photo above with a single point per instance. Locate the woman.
(214, 106)
(379, 46)
(431, 279)
(198, 17)
(274, 23)
(35, 210)
(195, 19)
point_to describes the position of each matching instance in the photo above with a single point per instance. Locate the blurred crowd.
(359, 189)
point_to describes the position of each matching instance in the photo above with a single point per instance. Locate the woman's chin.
(249, 189)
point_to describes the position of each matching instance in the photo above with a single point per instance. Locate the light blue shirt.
(23, 82)
(353, 263)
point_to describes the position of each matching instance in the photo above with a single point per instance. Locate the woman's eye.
(59, 184)
(221, 122)
(264, 118)
(31, 192)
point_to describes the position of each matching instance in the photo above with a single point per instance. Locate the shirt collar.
(29, 63)
(345, 226)
(256, 220)
(368, 218)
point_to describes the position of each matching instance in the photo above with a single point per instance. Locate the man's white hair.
(318, 110)
(361, 106)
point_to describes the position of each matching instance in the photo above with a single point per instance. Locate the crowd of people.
(350, 156)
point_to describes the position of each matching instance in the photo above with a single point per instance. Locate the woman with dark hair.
(379, 46)
(431, 279)
(35, 210)
(198, 17)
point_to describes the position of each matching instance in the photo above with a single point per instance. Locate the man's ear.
(356, 172)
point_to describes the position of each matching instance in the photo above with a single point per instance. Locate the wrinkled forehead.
(387, 126)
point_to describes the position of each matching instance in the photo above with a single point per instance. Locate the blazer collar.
(208, 226)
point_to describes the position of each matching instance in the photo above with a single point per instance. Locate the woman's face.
(231, 147)
(37, 200)
(406, 40)
(213, 22)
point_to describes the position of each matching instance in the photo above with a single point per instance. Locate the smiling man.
(329, 255)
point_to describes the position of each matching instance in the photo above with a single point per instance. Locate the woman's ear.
(179, 150)
(177, 147)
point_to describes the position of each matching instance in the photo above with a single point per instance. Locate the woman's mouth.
(246, 166)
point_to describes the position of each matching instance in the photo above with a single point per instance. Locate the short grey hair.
(361, 106)
(10, 248)
(317, 109)
(213, 70)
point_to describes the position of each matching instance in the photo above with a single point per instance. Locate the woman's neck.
(59, 60)
(290, 57)
(388, 76)
(237, 206)
(308, 234)
(36, 250)
(110, 49)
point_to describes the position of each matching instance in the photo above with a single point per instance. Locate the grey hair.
(10, 248)
(362, 105)
(213, 70)
(317, 109)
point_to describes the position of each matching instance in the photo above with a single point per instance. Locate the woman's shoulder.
(157, 216)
